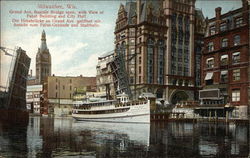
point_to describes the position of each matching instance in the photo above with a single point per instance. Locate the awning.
(209, 76)
(209, 59)
(236, 53)
(224, 56)
(224, 72)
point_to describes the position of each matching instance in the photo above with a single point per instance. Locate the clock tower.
(43, 61)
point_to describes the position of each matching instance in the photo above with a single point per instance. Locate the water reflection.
(63, 137)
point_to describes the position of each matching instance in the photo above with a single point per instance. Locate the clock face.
(46, 56)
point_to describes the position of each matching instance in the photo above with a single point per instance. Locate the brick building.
(157, 41)
(225, 60)
(58, 93)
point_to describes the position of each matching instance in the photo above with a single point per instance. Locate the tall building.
(157, 41)
(43, 61)
(225, 59)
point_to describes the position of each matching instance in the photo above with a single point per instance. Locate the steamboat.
(120, 110)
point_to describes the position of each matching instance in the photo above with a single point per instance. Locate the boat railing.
(119, 104)
(132, 103)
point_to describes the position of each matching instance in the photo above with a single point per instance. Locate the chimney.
(245, 12)
(138, 10)
(244, 4)
(218, 12)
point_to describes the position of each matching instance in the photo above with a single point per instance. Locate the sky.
(74, 51)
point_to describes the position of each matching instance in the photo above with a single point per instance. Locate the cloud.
(87, 68)
(64, 53)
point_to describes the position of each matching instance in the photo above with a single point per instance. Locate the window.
(210, 62)
(236, 95)
(132, 41)
(132, 32)
(131, 79)
(161, 57)
(70, 81)
(224, 76)
(140, 41)
(238, 22)
(139, 69)
(224, 59)
(122, 35)
(139, 60)
(179, 58)
(150, 62)
(56, 94)
(210, 46)
(132, 70)
(139, 79)
(186, 71)
(236, 57)
(174, 81)
(174, 19)
(132, 51)
(236, 40)
(224, 42)
(173, 69)
(56, 86)
(223, 26)
(70, 87)
(236, 74)
(209, 78)
(63, 87)
(123, 48)
(212, 30)
(132, 61)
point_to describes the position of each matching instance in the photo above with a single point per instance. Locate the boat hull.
(145, 118)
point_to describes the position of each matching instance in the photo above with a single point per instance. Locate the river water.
(63, 137)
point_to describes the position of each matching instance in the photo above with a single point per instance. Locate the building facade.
(157, 41)
(225, 59)
(43, 61)
(58, 93)
(104, 77)
(33, 98)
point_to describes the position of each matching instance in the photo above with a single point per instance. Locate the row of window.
(150, 62)
(33, 96)
(224, 26)
(224, 60)
(223, 76)
(57, 95)
(63, 87)
(70, 80)
(224, 43)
